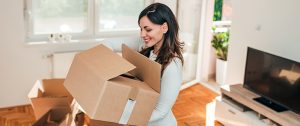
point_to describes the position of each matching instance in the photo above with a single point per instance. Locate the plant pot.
(221, 68)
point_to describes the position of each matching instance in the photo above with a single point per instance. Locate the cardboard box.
(102, 123)
(81, 119)
(47, 94)
(57, 116)
(94, 81)
(84, 120)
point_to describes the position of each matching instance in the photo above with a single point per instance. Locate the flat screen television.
(274, 78)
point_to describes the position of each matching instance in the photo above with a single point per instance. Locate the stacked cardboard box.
(54, 117)
(95, 81)
(47, 94)
(47, 97)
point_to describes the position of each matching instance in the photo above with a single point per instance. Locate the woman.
(159, 30)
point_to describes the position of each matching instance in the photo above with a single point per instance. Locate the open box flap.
(104, 62)
(36, 90)
(146, 70)
(55, 87)
(49, 87)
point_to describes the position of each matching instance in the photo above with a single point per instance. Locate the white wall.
(172, 4)
(206, 57)
(22, 64)
(268, 25)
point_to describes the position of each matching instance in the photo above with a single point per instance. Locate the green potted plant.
(220, 44)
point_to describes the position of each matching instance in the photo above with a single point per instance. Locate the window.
(222, 15)
(114, 15)
(83, 19)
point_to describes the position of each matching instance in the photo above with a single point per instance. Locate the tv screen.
(275, 78)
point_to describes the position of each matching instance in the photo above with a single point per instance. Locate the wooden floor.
(189, 109)
(17, 116)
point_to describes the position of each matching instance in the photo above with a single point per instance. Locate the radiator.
(61, 62)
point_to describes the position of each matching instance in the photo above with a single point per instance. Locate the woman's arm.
(170, 85)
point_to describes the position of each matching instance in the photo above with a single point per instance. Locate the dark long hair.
(159, 13)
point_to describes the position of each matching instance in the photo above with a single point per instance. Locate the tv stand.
(270, 104)
(237, 106)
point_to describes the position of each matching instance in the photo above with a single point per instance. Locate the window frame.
(92, 31)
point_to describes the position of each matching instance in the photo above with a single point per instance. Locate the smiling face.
(151, 33)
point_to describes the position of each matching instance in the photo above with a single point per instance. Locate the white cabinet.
(231, 116)
(236, 107)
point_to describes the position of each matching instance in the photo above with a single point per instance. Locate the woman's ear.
(165, 27)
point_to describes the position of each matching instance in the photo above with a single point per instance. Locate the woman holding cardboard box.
(159, 30)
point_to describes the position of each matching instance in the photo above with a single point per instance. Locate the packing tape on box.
(129, 106)
(127, 111)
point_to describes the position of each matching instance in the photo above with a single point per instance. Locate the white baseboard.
(215, 88)
(210, 85)
(189, 84)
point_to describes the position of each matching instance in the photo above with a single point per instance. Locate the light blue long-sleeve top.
(170, 86)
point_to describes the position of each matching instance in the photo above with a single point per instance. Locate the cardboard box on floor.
(57, 116)
(94, 81)
(47, 94)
